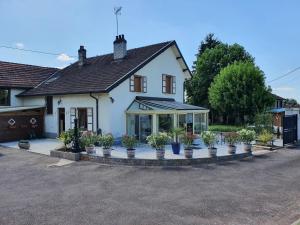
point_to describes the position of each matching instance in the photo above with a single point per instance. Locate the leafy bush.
(265, 137)
(67, 137)
(224, 128)
(158, 141)
(232, 138)
(129, 142)
(88, 139)
(263, 121)
(247, 136)
(106, 141)
(176, 133)
(209, 138)
(187, 140)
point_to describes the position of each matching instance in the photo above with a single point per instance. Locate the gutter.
(97, 111)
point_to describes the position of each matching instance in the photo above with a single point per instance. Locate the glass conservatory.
(147, 115)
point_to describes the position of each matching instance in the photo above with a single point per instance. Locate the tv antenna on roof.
(117, 11)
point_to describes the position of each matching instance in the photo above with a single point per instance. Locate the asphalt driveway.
(264, 190)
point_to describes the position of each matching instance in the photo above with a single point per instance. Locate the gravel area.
(263, 190)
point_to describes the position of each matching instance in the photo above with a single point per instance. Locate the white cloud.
(19, 45)
(64, 58)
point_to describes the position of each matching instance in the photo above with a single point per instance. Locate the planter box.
(65, 155)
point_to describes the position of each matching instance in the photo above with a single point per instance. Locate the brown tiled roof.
(99, 74)
(23, 76)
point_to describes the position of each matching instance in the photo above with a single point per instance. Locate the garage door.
(25, 124)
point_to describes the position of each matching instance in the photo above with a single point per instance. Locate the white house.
(138, 91)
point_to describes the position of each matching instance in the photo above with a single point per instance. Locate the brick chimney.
(120, 47)
(81, 55)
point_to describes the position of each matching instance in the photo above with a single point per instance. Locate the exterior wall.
(166, 63)
(15, 101)
(67, 102)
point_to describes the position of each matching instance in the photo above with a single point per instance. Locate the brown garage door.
(24, 124)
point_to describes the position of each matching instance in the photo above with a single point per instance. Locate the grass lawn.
(224, 128)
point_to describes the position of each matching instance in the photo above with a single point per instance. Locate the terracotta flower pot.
(231, 149)
(131, 153)
(24, 144)
(188, 153)
(106, 152)
(90, 149)
(247, 147)
(212, 152)
(160, 154)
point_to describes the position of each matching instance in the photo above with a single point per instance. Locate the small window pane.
(4, 97)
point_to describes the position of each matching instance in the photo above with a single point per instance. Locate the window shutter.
(90, 119)
(164, 83)
(72, 117)
(49, 104)
(173, 85)
(144, 80)
(131, 84)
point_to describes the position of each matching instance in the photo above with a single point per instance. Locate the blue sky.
(268, 29)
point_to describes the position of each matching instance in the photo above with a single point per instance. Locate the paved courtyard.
(263, 190)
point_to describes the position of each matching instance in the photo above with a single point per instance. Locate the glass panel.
(82, 119)
(197, 121)
(145, 127)
(4, 97)
(131, 124)
(165, 122)
(182, 121)
(189, 122)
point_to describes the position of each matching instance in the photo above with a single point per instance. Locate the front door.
(61, 120)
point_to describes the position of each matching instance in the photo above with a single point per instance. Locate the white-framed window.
(168, 84)
(84, 116)
(138, 83)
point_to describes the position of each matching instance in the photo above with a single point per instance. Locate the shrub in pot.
(209, 138)
(88, 140)
(265, 137)
(67, 137)
(129, 142)
(231, 139)
(247, 136)
(176, 133)
(24, 144)
(158, 141)
(106, 142)
(187, 140)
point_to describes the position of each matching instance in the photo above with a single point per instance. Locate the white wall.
(294, 111)
(67, 102)
(166, 63)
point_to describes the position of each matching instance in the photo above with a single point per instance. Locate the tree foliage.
(209, 63)
(239, 92)
(290, 102)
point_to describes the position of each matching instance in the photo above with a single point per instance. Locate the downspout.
(97, 111)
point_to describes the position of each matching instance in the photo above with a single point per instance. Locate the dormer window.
(138, 84)
(168, 84)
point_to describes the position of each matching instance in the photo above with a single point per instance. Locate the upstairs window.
(4, 97)
(138, 84)
(49, 104)
(168, 84)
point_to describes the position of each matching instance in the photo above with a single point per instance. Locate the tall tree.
(290, 102)
(209, 63)
(239, 92)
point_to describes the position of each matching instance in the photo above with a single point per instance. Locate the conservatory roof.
(151, 103)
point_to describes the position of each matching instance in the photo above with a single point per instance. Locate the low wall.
(148, 162)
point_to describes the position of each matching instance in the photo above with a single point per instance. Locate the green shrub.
(158, 141)
(188, 139)
(209, 138)
(232, 138)
(265, 137)
(224, 128)
(67, 137)
(129, 142)
(247, 136)
(88, 139)
(106, 141)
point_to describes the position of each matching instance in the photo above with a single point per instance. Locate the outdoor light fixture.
(112, 99)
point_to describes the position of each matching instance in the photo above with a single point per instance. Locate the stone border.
(148, 162)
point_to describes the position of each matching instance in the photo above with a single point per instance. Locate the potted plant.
(129, 142)
(265, 137)
(24, 144)
(106, 142)
(247, 136)
(187, 140)
(209, 138)
(176, 133)
(231, 138)
(66, 137)
(88, 140)
(158, 141)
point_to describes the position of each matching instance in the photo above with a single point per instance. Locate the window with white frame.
(84, 116)
(138, 83)
(168, 84)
